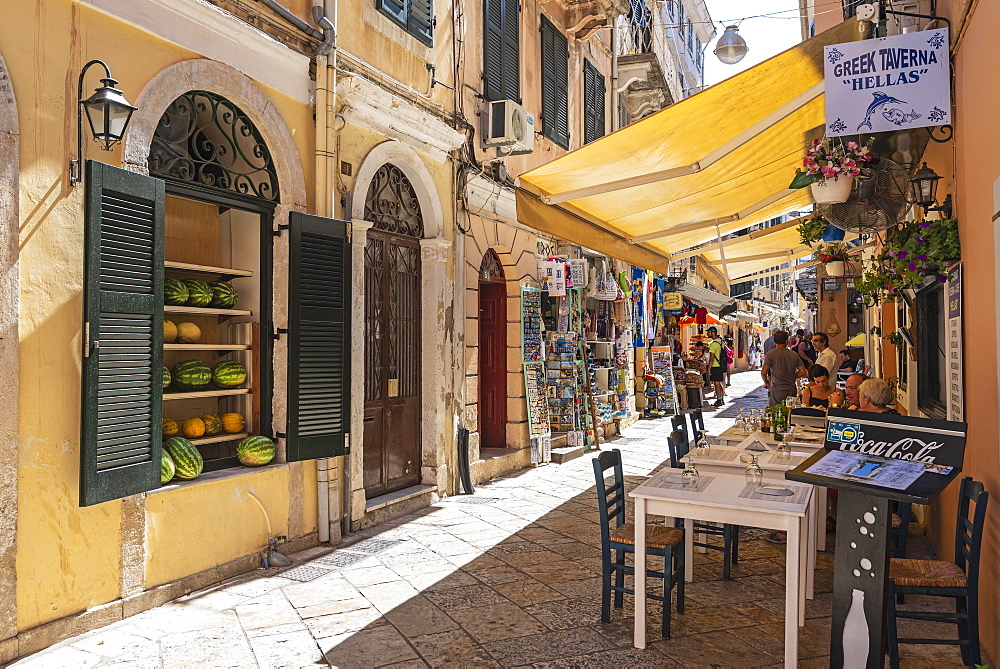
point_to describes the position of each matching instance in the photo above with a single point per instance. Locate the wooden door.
(392, 363)
(493, 364)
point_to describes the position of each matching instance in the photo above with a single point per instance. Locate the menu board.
(531, 325)
(956, 403)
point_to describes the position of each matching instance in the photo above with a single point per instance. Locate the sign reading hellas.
(886, 84)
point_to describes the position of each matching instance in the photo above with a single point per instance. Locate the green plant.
(893, 383)
(916, 250)
(811, 230)
(874, 282)
(830, 158)
(875, 330)
(832, 251)
(895, 339)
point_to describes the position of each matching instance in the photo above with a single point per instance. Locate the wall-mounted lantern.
(108, 113)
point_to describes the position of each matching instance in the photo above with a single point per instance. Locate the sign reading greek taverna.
(886, 84)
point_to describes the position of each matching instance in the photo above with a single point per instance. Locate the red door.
(493, 364)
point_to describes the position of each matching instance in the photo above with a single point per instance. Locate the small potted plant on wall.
(834, 256)
(830, 167)
(920, 249)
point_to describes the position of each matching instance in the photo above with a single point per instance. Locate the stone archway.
(9, 356)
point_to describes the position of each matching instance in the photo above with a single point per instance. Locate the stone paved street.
(507, 577)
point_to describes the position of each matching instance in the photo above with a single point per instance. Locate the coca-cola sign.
(898, 437)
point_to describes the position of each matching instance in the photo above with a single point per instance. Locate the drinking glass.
(690, 474)
(754, 474)
(703, 447)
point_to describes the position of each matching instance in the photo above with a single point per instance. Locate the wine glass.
(754, 474)
(690, 474)
(784, 450)
(702, 446)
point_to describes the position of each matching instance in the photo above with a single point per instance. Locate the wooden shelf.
(197, 394)
(206, 269)
(225, 436)
(204, 311)
(206, 347)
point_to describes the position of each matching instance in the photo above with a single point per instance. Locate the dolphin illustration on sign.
(881, 99)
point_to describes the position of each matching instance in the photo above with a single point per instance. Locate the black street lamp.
(925, 182)
(108, 113)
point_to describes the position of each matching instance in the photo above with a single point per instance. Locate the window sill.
(216, 476)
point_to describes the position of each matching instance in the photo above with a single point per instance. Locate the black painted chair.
(619, 536)
(697, 425)
(958, 580)
(899, 530)
(679, 424)
(730, 533)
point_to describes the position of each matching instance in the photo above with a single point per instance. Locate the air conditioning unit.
(509, 125)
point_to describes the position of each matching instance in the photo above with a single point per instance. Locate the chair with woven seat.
(958, 580)
(730, 533)
(619, 536)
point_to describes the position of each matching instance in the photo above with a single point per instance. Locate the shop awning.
(709, 320)
(744, 316)
(704, 297)
(856, 340)
(714, 163)
(756, 254)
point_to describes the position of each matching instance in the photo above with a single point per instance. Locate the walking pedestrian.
(824, 354)
(781, 367)
(769, 342)
(728, 346)
(803, 347)
(717, 364)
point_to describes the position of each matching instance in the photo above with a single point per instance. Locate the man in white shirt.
(825, 355)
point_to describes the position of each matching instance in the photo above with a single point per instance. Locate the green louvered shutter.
(593, 102)
(396, 9)
(555, 85)
(502, 50)
(421, 20)
(122, 335)
(512, 50)
(319, 337)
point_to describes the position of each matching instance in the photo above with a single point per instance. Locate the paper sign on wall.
(890, 83)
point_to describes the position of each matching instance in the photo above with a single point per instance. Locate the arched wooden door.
(392, 334)
(492, 353)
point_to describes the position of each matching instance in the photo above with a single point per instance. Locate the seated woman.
(817, 393)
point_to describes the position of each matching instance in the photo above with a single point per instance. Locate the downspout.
(614, 75)
(323, 200)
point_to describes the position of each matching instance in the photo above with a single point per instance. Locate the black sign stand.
(861, 563)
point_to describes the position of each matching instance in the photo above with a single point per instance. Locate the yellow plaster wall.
(68, 558)
(196, 527)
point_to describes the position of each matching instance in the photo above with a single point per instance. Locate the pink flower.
(852, 145)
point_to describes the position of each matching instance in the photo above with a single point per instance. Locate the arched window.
(205, 139)
(392, 205)
(491, 269)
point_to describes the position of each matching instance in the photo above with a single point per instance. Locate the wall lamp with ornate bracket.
(108, 113)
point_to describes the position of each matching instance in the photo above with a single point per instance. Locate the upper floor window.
(501, 50)
(555, 84)
(671, 12)
(690, 37)
(414, 16)
(594, 98)
(680, 12)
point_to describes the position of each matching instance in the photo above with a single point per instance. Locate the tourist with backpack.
(718, 363)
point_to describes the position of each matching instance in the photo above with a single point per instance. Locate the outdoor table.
(725, 459)
(725, 498)
(811, 442)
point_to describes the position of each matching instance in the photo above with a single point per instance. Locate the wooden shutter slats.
(123, 307)
(555, 85)
(319, 338)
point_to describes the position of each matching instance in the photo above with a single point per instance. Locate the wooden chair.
(697, 425)
(678, 423)
(619, 536)
(958, 579)
(730, 533)
(899, 530)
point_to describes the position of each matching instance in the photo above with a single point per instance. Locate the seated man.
(848, 398)
(876, 396)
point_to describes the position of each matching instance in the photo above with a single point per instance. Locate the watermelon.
(167, 467)
(228, 374)
(255, 451)
(199, 294)
(166, 377)
(213, 424)
(192, 374)
(174, 291)
(187, 460)
(233, 423)
(224, 296)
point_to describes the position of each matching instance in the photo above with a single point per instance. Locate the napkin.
(755, 442)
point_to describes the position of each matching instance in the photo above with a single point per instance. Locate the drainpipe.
(614, 75)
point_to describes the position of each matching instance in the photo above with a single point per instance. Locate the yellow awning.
(711, 164)
(756, 254)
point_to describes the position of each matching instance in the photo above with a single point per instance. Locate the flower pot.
(835, 268)
(832, 191)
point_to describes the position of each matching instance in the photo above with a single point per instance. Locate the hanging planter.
(835, 268)
(832, 191)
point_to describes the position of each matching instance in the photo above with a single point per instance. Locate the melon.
(192, 374)
(167, 467)
(174, 292)
(166, 377)
(199, 294)
(188, 333)
(187, 460)
(233, 423)
(228, 374)
(224, 296)
(169, 332)
(213, 424)
(255, 451)
(192, 428)
(170, 427)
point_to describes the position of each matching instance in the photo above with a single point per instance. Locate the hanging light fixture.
(925, 183)
(731, 48)
(108, 113)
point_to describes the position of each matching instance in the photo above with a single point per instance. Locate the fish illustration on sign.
(881, 99)
(898, 116)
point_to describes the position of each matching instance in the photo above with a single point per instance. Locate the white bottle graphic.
(855, 637)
